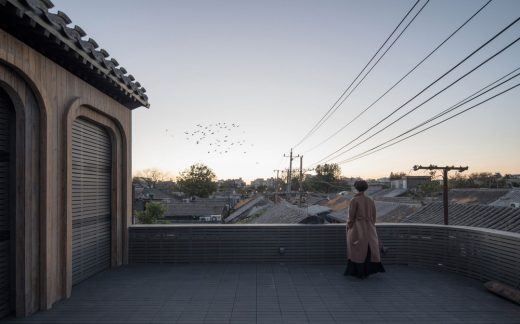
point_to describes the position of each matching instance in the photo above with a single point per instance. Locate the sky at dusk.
(261, 74)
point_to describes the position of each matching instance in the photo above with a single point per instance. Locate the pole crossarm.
(434, 167)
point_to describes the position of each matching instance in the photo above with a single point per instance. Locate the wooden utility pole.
(289, 174)
(276, 186)
(301, 181)
(445, 170)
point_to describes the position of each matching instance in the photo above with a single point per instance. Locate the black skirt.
(363, 270)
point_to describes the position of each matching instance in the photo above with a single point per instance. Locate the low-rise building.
(410, 182)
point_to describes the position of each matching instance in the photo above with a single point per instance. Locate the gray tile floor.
(264, 293)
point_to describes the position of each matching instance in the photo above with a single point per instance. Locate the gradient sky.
(275, 67)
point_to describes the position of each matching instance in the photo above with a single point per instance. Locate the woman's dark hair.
(361, 185)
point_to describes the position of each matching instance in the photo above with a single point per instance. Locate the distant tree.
(397, 175)
(295, 181)
(327, 179)
(429, 189)
(151, 214)
(152, 176)
(198, 180)
(478, 180)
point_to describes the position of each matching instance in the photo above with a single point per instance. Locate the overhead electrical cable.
(431, 84)
(430, 98)
(373, 66)
(475, 95)
(459, 104)
(400, 80)
(436, 124)
(317, 125)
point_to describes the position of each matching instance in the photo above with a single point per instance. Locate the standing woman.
(362, 242)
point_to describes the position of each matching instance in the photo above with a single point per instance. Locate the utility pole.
(301, 181)
(289, 174)
(276, 186)
(445, 170)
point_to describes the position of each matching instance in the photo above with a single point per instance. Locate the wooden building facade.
(65, 157)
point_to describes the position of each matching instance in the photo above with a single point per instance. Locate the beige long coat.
(361, 230)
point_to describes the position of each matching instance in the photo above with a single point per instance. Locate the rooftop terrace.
(276, 293)
(294, 274)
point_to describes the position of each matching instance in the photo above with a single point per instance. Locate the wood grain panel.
(6, 266)
(45, 93)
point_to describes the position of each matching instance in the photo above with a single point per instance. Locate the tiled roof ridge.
(85, 53)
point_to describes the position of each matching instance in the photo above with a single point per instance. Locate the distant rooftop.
(476, 195)
(494, 217)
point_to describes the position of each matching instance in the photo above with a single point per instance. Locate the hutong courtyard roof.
(53, 35)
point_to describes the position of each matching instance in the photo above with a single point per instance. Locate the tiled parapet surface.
(276, 293)
(478, 253)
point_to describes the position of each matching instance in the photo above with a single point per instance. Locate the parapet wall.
(479, 253)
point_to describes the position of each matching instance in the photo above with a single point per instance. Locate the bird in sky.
(221, 137)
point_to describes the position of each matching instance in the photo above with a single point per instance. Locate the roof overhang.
(48, 33)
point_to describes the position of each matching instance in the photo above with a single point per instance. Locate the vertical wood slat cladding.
(91, 200)
(5, 223)
(46, 94)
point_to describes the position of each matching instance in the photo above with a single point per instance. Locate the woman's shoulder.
(362, 198)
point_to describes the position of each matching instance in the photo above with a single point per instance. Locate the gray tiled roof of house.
(512, 196)
(153, 193)
(389, 193)
(53, 35)
(386, 212)
(317, 209)
(338, 215)
(194, 209)
(313, 198)
(494, 217)
(281, 213)
(244, 210)
(397, 215)
(371, 191)
(482, 196)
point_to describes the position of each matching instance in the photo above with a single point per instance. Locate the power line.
(427, 100)
(422, 91)
(402, 78)
(373, 66)
(430, 85)
(462, 102)
(434, 125)
(317, 125)
(474, 95)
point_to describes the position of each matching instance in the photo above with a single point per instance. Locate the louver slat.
(91, 200)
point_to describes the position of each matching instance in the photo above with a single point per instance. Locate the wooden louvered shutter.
(91, 200)
(6, 112)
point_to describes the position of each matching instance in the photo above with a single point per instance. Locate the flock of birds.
(220, 138)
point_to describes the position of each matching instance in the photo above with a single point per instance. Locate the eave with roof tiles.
(50, 34)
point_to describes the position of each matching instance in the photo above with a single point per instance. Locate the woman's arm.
(352, 213)
(373, 207)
